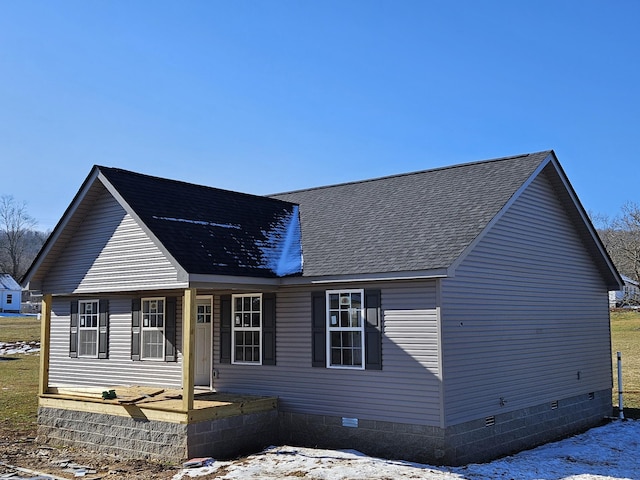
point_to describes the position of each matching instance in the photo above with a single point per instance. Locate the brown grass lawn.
(625, 338)
(19, 373)
(19, 376)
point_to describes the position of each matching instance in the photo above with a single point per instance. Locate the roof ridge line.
(105, 169)
(406, 174)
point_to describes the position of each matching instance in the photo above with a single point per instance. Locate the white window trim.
(81, 329)
(244, 329)
(148, 329)
(345, 329)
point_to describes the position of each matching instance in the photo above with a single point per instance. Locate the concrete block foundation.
(480, 440)
(477, 441)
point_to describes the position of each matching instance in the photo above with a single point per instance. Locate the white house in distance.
(10, 294)
(629, 295)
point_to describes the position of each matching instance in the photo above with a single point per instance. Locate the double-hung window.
(89, 328)
(153, 325)
(88, 323)
(247, 329)
(345, 329)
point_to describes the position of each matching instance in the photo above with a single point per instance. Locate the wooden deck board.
(156, 403)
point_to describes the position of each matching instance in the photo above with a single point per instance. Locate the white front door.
(203, 342)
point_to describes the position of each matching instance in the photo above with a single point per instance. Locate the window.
(9, 298)
(345, 328)
(153, 313)
(153, 328)
(89, 328)
(247, 328)
(88, 322)
(203, 314)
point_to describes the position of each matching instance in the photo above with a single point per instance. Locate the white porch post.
(188, 347)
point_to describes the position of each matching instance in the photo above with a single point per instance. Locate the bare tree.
(621, 237)
(15, 226)
(627, 240)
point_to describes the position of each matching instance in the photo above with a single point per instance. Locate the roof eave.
(367, 277)
(31, 280)
(471, 246)
(603, 260)
(182, 273)
(231, 282)
(613, 278)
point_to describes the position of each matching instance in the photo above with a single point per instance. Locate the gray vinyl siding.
(526, 311)
(407, 389)
(109, 252)
(118, 369)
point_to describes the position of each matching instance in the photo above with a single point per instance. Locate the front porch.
(150, 422)
(168, 424)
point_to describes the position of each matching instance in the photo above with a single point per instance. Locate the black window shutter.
(103, 329)
(268, 328)
(135, 328)
(318, 329)
(170, 329)
(73, 337)
(225, 329)
(373, 330)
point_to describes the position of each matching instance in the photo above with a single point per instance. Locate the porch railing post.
(188, 347)
(45, 344)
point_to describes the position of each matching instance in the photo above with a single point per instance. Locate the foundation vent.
(592, 396)
(350, 422)
(490, 421)
(554, 405)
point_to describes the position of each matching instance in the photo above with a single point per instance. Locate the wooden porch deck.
(155, 403)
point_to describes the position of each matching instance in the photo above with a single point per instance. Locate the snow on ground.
(610, 452)
(12, 348)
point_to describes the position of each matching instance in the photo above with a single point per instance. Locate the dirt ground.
(22, 450)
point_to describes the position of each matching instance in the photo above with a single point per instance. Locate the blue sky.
(270, 96)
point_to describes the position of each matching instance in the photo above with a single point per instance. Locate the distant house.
(628, 296)
(10, 294)
(446, 316)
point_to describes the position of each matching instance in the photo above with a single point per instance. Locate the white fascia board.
(182, 273)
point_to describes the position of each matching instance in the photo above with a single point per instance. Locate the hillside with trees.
(621, 237)
(20, 241)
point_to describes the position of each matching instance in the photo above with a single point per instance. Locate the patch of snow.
(282, 249)
(13, 348)
(610, 452)
(198, 222)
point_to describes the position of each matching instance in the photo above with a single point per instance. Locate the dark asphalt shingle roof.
(411, 222)
(209, 230)
(415, 222)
